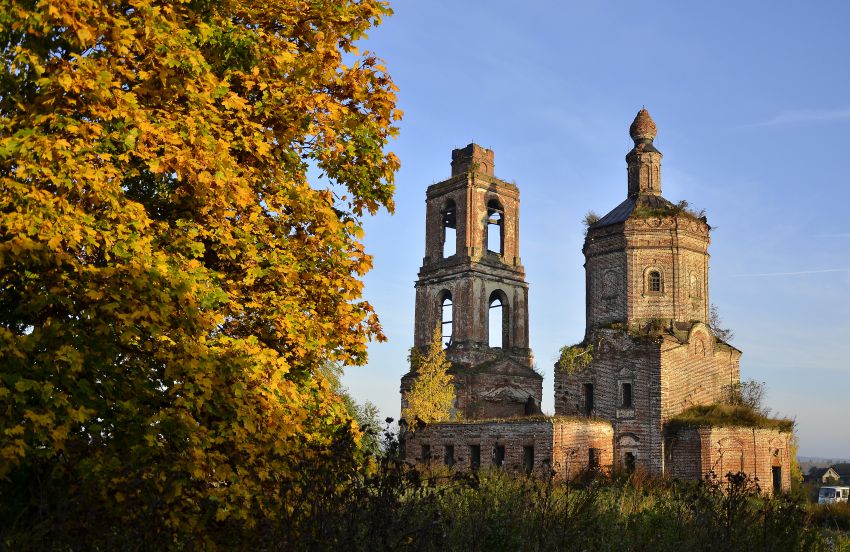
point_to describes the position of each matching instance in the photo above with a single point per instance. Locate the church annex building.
(647, 356)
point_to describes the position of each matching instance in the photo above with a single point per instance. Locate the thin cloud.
(798, 273)
(847, 235)
(801, 116)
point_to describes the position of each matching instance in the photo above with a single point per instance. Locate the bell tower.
(472, 287)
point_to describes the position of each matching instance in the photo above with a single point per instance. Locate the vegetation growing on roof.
(576, 358)
(590, 218)
(725, 415)
(716, 324)
(666, 209)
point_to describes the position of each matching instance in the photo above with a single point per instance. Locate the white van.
(828, 495)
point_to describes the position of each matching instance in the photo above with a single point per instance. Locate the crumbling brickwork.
(650, 353)
(554, 444)
(647, 309)
(491, 379)
(763, 454)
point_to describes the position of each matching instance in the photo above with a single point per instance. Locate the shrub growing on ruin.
(432, 393)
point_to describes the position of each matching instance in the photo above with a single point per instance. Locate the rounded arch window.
(448, 220)
(494, 229)
(497, 320)
(654, 281)
(446, 318)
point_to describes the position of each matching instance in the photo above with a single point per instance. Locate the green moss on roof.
(725, 415)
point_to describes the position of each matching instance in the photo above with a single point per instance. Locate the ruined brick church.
(648, 353)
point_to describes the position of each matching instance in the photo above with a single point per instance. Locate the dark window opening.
(588, 399)
(499, 455)
(426, 454)
(446, 316)
(654, 281)
(777, 479)
(449, 456)
(528, 458)
(629, 462)
(594, 456)
(449, 221)
(495, 227)
(475, 456)
(626, 396)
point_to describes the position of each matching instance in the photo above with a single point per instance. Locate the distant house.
(841, 472)
(837, 473)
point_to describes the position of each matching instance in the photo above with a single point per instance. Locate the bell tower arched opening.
(499, 323)
(446, 318)
(449, 227)
(495, 227)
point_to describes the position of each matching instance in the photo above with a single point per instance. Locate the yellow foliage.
(171, 280)
(432, 394)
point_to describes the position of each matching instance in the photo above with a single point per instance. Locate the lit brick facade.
(540, 444)
(492, 379)
(763, 454)
(647, 310)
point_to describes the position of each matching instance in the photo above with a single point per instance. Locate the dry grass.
(725, 415)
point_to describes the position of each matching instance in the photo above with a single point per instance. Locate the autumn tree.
(170, 279)
(432, 393)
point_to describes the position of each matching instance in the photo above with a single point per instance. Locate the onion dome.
(643, 127)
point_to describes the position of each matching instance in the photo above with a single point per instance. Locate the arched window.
(446, 319)
(495, 227)
(653, 283)
(497, 320)
(449, 222)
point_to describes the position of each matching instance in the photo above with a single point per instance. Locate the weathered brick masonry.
(492, 380)
(763, 454)
(647, 310)
(551, 443)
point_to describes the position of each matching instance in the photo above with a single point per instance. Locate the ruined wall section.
(696, 371)
(619, 359)
(554, 443)
(758, 452)
(572, 441)
(605, 277)
(513, 435)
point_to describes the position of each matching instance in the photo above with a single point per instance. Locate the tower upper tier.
(647, 259)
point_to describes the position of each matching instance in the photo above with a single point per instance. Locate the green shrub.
(831, 516)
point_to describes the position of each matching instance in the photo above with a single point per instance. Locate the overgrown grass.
(831, 516)
(385, 505)
(727, 415)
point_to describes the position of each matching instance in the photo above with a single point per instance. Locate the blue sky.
(752, 103)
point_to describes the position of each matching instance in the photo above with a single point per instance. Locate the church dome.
(643, 127)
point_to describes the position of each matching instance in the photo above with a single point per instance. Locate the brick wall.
(721, 450)
(620, 359)
(572, 440)
(557, 443)
(696, 371)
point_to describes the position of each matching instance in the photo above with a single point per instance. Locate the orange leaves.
(171, 280)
